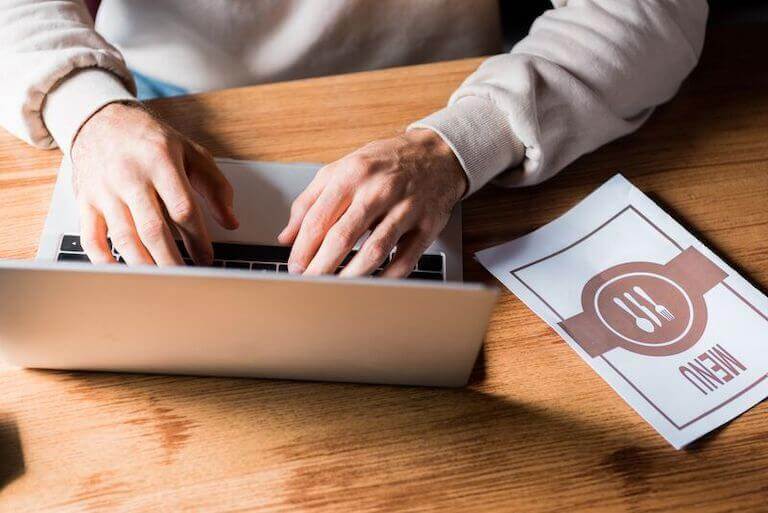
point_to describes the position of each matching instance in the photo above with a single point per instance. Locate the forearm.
(587, 73)
(57, 71)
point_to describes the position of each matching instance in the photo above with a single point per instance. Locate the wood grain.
(537, 430)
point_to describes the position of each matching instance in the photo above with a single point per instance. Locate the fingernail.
(295, 268)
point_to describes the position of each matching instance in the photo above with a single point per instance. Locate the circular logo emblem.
(647, 311)
(638, 307)
(645, 307)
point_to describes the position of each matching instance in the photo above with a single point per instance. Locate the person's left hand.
(403, 189)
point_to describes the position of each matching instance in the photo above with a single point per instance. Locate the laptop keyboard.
(256, 257)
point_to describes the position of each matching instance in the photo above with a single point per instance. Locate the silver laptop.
(244, 316)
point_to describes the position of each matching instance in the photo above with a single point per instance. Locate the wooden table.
(537, 430)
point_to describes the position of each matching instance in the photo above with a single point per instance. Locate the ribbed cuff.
(76, 99)
(481, 137)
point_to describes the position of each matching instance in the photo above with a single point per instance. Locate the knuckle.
(312, 230)
(342, 234)
(135, 194)
(357, 160)
(409, 204)
(164, 142)
(313, 220)
(152, 229)
(359, 165)
(183, 210)
(382, 192)
(377, 251)
(324, 172)
(298, 206)
(123, 238)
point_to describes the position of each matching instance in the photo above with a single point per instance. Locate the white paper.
(679, 334)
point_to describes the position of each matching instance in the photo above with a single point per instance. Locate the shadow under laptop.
(331, 434)
(12, 464)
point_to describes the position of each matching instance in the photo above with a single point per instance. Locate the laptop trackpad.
(264, 192)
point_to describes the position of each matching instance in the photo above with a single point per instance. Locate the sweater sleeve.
(55, 70)
(588, 72)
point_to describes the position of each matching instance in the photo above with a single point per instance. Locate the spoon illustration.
(643, 309)
(641, 322)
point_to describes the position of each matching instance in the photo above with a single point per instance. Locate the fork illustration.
(641, 322)
(643, 309)
(660, 309)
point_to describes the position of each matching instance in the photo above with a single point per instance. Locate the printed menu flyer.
(679, 334)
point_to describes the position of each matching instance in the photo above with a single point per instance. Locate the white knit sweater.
(588, 72)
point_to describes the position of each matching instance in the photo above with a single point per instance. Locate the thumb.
(208, 180)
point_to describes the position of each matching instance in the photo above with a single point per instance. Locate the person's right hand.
(132, 176)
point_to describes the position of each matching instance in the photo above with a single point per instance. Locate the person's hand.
(133, 175)
(403, 189)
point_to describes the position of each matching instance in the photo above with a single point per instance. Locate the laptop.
(244, 315)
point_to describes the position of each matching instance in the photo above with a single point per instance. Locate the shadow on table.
(193, 117)
(11, 453)
(330, 431)
(705, 240)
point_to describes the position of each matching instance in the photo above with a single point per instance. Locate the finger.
(343, 235)
(176, 194)
(301, 206)
(410, 248)
(153, 229)
(93, 235)
(331, 204)
(381, 242)
(208, 180)
(124, 237)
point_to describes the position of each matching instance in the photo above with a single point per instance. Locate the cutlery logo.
(645, 307)
(645, 323)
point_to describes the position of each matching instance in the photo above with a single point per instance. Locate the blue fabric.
(148, 87)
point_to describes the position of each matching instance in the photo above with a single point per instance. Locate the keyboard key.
(432, 263)
(258, 266)
(71, 243)
(419, 275)
(73, 257)
(249, 253)
(258, 258)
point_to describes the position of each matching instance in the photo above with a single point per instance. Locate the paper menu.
(680, 335)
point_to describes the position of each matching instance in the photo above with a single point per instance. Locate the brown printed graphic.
(644, 307)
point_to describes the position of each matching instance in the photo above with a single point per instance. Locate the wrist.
(76, 97)
(436, 149)
(105, 117)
